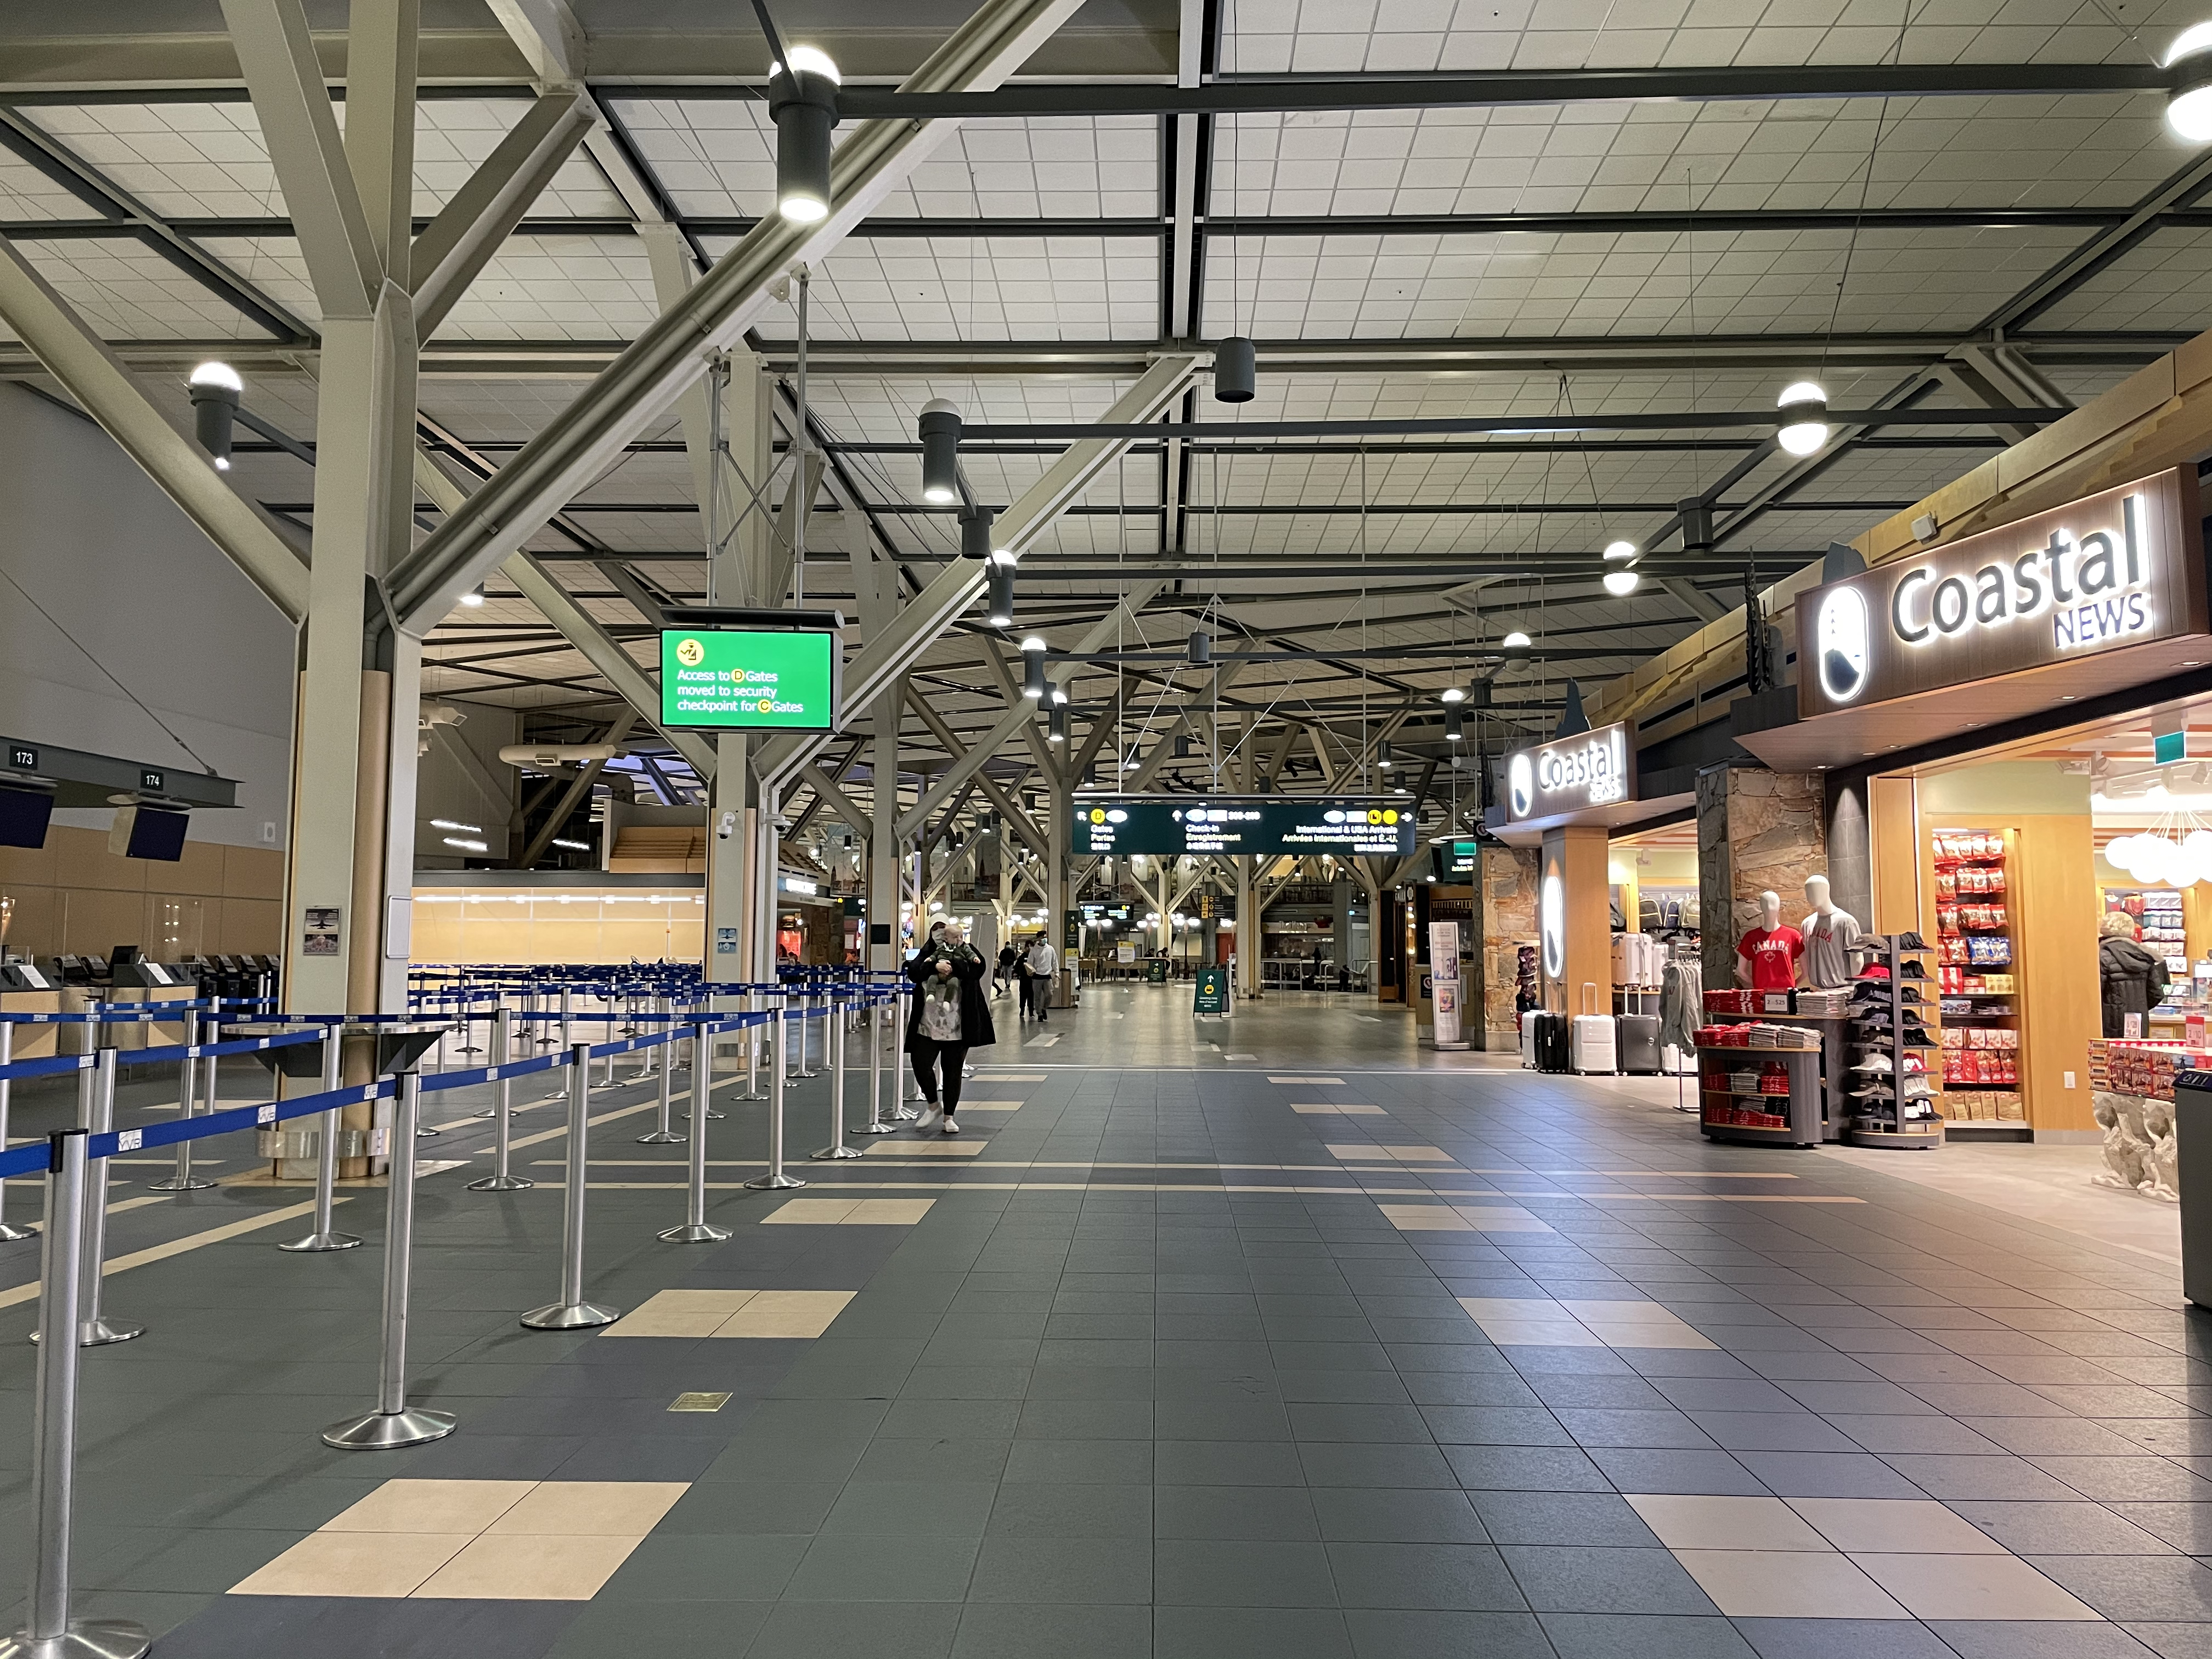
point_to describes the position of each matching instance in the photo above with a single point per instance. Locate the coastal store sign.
(2121, 569)
(1591, 769)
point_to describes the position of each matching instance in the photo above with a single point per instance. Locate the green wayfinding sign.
(734, 679)
(1212, 995)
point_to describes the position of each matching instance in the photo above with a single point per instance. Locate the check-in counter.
(153, 1033)
(40, 1041)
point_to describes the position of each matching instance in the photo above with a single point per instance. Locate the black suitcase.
(1551, 1049)
(1638, 1036)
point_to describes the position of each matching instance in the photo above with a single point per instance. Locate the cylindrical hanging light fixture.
(1516, 646)
(2189, 104)
(1383, 757)
(940, 429)
(1235, 370)
(1454, 724)
(474, 597)
(1804, 417)
(999, 600)
(1198, 650)
(1033, 683)
(214, 394)
(1056, 725)
(802, 101)
(1181, 747)
(1452, 693)
(975, 533)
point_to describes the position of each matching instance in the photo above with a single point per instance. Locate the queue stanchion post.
(702, 1105)
(502, 1039)
(835, 1028)
(805, 1022)
(325, 1235)
(394, 1423)
(900, 1112)
(875, 1125)
(196, 1031)
(96, 1112)
(753, 1040)
(572, 1312)
(776, 1177)
(48, 1632)
(662, 1135)
(696, 1229)
(502, 1111)
(8, 1234)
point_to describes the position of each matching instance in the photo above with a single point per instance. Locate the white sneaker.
(951, 1126)
(922, 1119)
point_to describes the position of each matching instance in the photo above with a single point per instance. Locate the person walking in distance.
(949, 1016)
(1042, 962)
(1004, 974)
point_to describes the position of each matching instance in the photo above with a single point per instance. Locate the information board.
(734, 679)
(1263, 824)
(1211, 995)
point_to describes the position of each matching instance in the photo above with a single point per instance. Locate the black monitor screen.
(23, 816)
(158, 835)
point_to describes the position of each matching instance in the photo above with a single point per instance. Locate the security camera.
(727, 827)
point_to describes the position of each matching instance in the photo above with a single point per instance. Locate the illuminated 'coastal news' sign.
(2121, 569)
(1591, 769)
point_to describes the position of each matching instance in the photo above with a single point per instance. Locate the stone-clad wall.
(1757, 830)
(1508, 917)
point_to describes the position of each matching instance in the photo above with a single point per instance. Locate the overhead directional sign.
(1263, 824)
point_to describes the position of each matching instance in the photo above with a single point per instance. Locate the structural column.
(1574, 922)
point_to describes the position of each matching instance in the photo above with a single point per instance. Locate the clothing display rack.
(1891, 1103)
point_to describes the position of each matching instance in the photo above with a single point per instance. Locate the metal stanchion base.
(713, 1116)
(904, 1115)
(423, 1132)
(570, 1316)
(662, 1138)
(875, 1129)
(498, 1184)
(774, 1182)
(487, 1112)
(86, 1638)
(98, 1334)
(387, 1430)
(10, 1233)
(315, 1241)
(174, 1185)
(834, 1152)
(799, 1076)
(701, 1232)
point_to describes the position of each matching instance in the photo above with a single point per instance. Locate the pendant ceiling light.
(1804, 417)
(1235, 370)
(1198, 650)
(1516, 646)
(1621, 583)
(975, 533)
(999, 602)
(802, 101)
(2189, 105)
(214, 394)
(1033, 683)
(939, 430)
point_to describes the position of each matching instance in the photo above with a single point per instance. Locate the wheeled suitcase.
(1593, 1047)
(1638, 1036)
(1551, 1039)
(1529, 1038)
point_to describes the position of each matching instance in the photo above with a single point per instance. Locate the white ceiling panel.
(126, 291)
(2166, 283)
(558, 287)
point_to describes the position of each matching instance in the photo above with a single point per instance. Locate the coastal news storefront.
(2006, 725)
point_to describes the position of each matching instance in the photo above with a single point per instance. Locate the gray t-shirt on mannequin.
(1829, 942)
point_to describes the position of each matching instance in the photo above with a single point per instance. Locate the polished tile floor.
(1346, 1349)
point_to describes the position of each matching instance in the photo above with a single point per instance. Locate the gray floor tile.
(2135, 1587)
(1841, 1638)
(857, 1630)
(1225, 1573)
(1397, 1514)
(1625, 1636)
(1051, 1509)
(991, 1630)
(1402, 1635)
(1198, 1632)
(1582, 1578)
(1086, 1571)
(2008, 1639)
(1437, 1577)
(1258, 1513)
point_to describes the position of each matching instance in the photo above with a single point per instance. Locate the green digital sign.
(735, 679)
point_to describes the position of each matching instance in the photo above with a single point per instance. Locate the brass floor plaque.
(699, 1402)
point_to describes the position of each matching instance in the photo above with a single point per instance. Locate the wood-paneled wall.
(74, 896)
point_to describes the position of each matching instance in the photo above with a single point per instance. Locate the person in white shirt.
(1042, 962)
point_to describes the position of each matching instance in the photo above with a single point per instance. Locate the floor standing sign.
(1443, 975)
(1212, 995)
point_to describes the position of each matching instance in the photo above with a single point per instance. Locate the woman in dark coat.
(2133, 980)
(950, 1016)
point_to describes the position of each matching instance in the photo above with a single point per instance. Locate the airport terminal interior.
(1105, 828)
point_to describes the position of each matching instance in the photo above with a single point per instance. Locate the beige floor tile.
(1894, 1526)
(380, 1563)
(1337, 1082)
(1765, 1584)
(462, 1506)
(513, 1567)
(1425, 1219)
(563, 1508)
(1323, 1108)
(1541, 1333)
(928, 1148)
(1510, 1307)
(1970, 1587)
(1418, 1154)
(1500, 1218)
(1696, 1522)
(787, 1314)
(888, 1212)
(1622, 1335)
(812, 1211)
(1358, 1151)
(967, 1106)
(1011, 1077)
(679, 1313)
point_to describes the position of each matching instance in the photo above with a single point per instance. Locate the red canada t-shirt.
(1773, 956)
